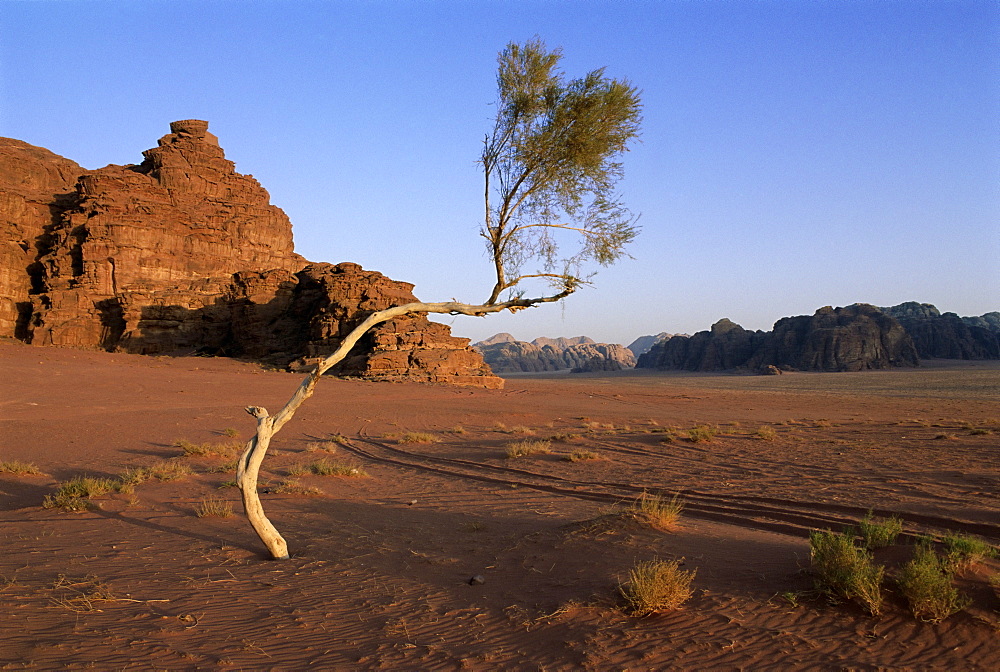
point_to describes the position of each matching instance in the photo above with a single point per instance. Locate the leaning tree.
(551, 163)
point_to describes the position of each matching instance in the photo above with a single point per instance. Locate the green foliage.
(962, 551)
(879, 533)
(551, 163)
(657, 585)
(845, 570)
(925, 582)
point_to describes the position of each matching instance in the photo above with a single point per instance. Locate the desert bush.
(291, 486)
(564, 436)
(325, 446)
(879, 533)
(765, 433)
(73, 495)
(843, 569)
(19, 468)
(231, 432)
(328, 468)
(701, 433)
(522, 430)
(214, 507)
(527, 447)
(169, 470)
(227, 449)
(581, 455)
(657, 511)
(963, 550)
(926, 583)
(656, 586)
(417, 437)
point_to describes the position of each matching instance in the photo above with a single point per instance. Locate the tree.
(550, 166)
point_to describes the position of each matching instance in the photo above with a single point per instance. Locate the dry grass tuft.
(702, 433)
(655, 586)
(418, 437)
(581, 456)
(659, 512)
(962, 551)
(291, 486)
(528, 447)
(73, 495)
(765, 433)
(226, 449)
(214, 507)
(19, 468)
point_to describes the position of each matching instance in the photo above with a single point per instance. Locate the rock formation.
(947, 335)
(182, 253)
(505, 355)
(642, 344)
(843, 339)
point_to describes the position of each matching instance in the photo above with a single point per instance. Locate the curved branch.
(269, 425)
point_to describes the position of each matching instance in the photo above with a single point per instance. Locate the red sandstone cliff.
(182, 253)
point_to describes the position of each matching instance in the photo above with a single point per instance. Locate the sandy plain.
(380, 567)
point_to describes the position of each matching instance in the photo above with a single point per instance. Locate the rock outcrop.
(843, 339)
(182, 253)
(642, 344)
(505, 355)
(947, 335)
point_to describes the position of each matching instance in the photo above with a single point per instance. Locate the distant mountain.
(642, 344)
(505, 355)
(843, 339)
(852, 338)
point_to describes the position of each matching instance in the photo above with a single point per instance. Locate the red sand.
(380, 565)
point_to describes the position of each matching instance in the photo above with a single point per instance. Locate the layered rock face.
(182, 252)
(505, 355)
(947, 335)
(35, 185)
(854, 338)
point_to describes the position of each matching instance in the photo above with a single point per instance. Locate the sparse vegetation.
(73, 495)
(214, 507)
(765, 433)
(169, 470)
(701, 433)
(329, 446)
(528, 447)
(82, 595)
(522, 430)
(926, 583)
(962, 551)
(231, 432)
(879, 533)
(417, 437)
(19, 468)
(655, 586)
(329, 468)
(581, 455)
(227, 449)
(292, 486)
(659, 512)
(846, 570)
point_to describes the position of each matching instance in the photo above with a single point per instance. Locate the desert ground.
(382, 556)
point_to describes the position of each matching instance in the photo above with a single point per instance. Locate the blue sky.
(794, 154)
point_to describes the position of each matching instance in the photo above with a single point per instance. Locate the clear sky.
(795, 153)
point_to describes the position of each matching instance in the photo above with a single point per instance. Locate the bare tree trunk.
(248, 467)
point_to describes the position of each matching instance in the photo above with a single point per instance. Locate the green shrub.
(701, 433)
(845, 570)
(926, 583)
(879, 533)
(655, 586)
(963, 550)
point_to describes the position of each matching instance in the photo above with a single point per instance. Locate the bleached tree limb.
(248, 468)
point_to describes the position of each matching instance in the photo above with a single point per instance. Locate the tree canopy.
(551, 163)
